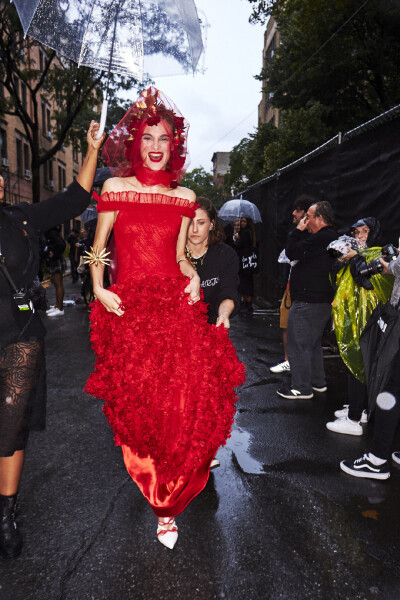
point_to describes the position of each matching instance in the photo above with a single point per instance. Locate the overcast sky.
(223, 102)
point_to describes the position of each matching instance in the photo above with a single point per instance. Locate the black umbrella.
(380, 343)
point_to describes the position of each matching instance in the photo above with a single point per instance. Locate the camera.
(374, 266)
(22, 301)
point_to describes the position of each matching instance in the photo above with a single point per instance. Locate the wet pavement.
(277, 520)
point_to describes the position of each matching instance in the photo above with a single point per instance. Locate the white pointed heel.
(167, 532)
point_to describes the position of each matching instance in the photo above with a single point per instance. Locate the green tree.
(247, 159)
(75, 92)
(342, 54)
(201, 182)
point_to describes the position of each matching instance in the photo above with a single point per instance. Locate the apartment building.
(15, 153)
(266, 113)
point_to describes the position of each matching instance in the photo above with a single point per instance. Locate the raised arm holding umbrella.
(22, 374)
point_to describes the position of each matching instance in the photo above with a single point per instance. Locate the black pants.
(386, 420)
(357, 397)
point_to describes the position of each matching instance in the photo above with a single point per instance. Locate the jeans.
(306, 326)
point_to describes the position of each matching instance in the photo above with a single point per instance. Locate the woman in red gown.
(166, 375)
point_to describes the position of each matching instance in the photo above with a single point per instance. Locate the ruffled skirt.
(167, 376)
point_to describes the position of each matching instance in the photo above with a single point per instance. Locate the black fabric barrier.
(360, 177)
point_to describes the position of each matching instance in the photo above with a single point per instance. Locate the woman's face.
(1, 188)
(199, 227)
(155, 146)
(243, 222)
(361, 235)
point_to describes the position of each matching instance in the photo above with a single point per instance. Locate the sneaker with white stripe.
(363, 467)
(291, 394)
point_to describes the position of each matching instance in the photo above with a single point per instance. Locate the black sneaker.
(291, 394)
(363, 467)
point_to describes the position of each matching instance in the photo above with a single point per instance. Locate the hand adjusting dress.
(166, 375)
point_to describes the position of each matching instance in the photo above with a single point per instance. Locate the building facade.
(15, 152)
(220, 161)
(266, 113)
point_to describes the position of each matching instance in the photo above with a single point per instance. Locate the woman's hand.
(109, 300)
(91, 136)
(223, 319)
(193, 289)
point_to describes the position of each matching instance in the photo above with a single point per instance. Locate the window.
(45, 175)
(51, 175)
(3, 147)
(27, 162)
(16, 85)
(75, 154)
(20, 165)
(24, 99)
(42, 61)
(46, 120)
(61, 177)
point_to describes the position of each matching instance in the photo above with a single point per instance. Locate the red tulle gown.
(166, 375)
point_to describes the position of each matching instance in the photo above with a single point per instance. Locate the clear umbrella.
(129, 37)
(233, 209)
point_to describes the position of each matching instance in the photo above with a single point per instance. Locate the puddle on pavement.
(239, 444)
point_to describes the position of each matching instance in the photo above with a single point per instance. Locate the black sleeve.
(59, 208)
(244, 239)
(300, 244)
(229, 279)
(357, 263)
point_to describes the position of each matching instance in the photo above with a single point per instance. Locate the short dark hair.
(324, 210)
(303, 202)
(216, 235)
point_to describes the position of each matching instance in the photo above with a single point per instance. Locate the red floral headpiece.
(121, 151)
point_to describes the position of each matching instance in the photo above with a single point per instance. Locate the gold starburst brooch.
(94, 257)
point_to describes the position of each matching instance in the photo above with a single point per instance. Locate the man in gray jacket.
(375, 464)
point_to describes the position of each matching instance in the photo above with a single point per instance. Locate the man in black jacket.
(312, 294)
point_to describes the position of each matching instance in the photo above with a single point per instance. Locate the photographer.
(312, 294)
(374, 464)
(22, 366)
(359, 289)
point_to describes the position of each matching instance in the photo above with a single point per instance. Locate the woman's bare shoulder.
(116, 184)
(184, 192)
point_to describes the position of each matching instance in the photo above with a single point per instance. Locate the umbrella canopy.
(233, 209)
(130, 37)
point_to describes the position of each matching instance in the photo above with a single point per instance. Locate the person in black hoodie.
(216, 263)
(312, 294)
(22, 368)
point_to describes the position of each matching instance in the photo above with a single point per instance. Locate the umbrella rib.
(85, 33)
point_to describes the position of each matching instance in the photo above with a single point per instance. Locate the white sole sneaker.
(396, 457)
(345, 426)
(342, 413)
(282, 367)
(292, 394)
(320, 390)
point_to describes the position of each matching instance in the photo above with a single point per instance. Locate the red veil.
(121, 151)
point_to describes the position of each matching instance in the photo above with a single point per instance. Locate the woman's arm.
(109, 300)
(70, 204)
(224, 312)
(193, 288)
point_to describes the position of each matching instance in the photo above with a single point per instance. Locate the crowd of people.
(165, 366)
(342, 279)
